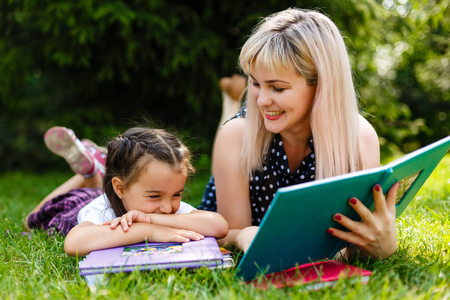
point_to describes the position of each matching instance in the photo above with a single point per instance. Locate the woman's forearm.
(231, 239)
(240, 238)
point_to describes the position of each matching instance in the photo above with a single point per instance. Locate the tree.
(96, 65)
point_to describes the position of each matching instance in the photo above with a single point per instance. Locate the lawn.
(36, 267)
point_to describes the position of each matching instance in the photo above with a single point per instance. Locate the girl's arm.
(204, 222)
(86, 237)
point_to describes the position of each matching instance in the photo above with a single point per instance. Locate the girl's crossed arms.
(146, 170)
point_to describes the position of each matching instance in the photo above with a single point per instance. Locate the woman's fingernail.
(337, 217)
(330, 231)
(353, 201)
(377, 187)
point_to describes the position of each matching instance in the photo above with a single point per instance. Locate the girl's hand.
(246, 236)
(164, 234)
(376, 234)
(127, 220)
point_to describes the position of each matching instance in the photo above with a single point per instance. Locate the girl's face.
(284, 99)
(158, 189)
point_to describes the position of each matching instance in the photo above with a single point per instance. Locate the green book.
(294, 229)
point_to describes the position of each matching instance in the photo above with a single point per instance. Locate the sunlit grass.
(36, 267)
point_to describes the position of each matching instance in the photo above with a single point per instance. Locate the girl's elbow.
(70, 247)
(222, 228)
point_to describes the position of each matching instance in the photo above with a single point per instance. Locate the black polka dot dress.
(275, 174)
(265, 183)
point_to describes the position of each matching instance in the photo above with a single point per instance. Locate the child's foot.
(234, 86)
(98, 153)
(89, 143)
(63, 142)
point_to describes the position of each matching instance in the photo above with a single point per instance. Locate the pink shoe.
(98, 153)
(63, 142)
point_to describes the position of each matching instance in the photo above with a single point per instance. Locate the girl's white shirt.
(99, 211)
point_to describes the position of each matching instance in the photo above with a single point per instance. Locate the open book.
(294, 229)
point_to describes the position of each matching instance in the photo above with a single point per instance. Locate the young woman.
(300, 123)
(146, 170)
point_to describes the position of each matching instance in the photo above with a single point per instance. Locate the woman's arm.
(232, 186)
(370, 144)
(86, 237)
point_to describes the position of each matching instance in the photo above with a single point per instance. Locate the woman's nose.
(263, 98)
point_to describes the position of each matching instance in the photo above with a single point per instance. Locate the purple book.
(152, 256)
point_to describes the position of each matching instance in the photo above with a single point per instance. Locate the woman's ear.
(118, 186)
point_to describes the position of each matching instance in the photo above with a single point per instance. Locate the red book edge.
(322, 274)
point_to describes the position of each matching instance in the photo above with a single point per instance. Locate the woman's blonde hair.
(310, 43)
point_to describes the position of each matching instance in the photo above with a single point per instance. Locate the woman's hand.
(127, 220)
(246, 236)
(376, 234)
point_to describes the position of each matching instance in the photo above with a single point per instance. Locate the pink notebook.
(316, 275)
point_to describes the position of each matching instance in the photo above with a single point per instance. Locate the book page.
(405, 184)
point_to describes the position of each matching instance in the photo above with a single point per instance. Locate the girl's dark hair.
(131, 151)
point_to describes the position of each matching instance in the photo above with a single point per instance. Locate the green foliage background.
(96, 65)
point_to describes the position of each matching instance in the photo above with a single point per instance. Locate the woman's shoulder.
(234, 128)
(366, 131)
(369, 143)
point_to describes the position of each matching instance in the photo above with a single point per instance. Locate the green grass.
(37, 268)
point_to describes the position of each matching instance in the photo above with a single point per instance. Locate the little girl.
(146, 170)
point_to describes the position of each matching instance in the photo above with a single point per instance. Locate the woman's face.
(284, 99)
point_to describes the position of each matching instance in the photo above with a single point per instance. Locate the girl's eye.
(177, 195)
(154, 197)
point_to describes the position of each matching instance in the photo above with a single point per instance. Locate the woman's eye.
(278, 90)
(254, 83)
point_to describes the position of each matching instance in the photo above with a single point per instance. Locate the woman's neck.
(296, 148)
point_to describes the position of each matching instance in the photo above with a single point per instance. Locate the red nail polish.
(330, 231)
(353, 201)
(337, 217)
(377, 187)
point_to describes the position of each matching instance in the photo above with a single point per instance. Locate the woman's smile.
(274, 115)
